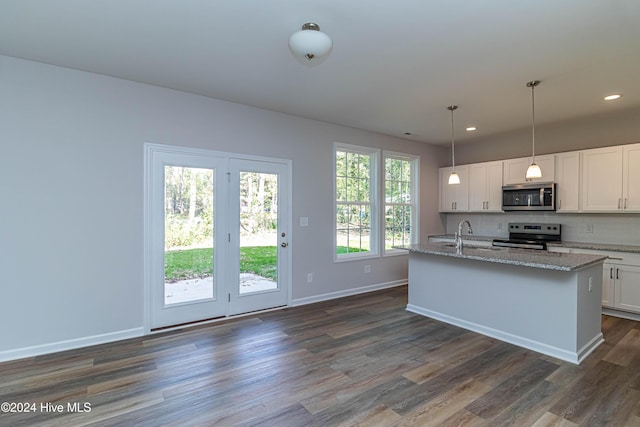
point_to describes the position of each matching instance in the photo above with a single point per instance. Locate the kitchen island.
(547, 302)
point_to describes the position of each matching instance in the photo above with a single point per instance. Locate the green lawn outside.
(193, 263)
(344, 250)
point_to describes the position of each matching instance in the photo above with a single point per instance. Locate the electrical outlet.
(367, 268)
(589, 228)
(310, 278)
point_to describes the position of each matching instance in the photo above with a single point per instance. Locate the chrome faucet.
(458, 235)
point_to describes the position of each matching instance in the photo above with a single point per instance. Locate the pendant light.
(453, 178)
(533, 171)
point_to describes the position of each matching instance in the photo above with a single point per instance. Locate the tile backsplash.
(622, 229)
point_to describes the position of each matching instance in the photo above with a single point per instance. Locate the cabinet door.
(478, 187)
(608, 279)
(568, 182)
(602, 179)
(515, 170)
(446, 192)
(627, 292)
(631, 178)
(494, 186)
(454, 198)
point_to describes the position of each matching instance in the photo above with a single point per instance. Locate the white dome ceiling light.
(310, 46)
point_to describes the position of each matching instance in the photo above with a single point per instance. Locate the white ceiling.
(395, 65)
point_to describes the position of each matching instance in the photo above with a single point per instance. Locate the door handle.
(284, 244)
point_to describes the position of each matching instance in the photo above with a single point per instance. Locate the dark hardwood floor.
(361, 360)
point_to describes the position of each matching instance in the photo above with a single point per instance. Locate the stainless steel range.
(530, 235)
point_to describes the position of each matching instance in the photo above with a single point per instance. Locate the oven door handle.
(541, 196)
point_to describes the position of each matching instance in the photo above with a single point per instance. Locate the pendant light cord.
(533, 123)
(452, 108)
(453, 149)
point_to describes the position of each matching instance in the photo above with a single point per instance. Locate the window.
(357, 210)
(400, 201)
(356, 202)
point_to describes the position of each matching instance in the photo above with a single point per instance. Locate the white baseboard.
(619, 313)
(347, 292)
(559, 353)
(37, 350)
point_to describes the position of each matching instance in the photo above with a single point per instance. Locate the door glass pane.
(188, 234)
(258, 232)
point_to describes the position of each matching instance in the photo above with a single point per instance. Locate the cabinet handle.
(617, 274)
(625, 203)
(451, 205)
(611, 273)
(559, 204)
(620, 203)
(456, 205)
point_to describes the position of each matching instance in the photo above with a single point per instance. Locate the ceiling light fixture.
(612, 97)
(533, 171)
(309, 45)
(453, 178)
(471, 128)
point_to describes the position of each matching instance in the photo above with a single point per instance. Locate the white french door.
(259, 231)
(216, 235)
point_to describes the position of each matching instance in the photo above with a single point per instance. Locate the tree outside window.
(355, 202)
(400, 201)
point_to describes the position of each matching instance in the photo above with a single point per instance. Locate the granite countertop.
(576, 245)
(513, 256)
(598, 246)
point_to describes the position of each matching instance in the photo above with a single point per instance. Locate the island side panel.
(534, 308)
(589, 310)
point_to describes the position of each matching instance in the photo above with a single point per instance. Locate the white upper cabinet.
(568, 182)
(631, 178)
(454, 198)
(485, 187)
(611, 179)
(515, 170)
(603, 179)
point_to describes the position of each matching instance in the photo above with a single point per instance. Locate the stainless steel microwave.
(538, 196)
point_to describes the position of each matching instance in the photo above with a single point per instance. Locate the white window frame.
(374, 202)
(414, 162)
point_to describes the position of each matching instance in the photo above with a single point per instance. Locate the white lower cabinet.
(626, 294)
(608, 284)
(620, 278)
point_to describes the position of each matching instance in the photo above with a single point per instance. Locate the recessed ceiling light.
(612, 97)
(471, 128)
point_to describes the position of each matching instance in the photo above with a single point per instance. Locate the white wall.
(607, 129)
(71, 180)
